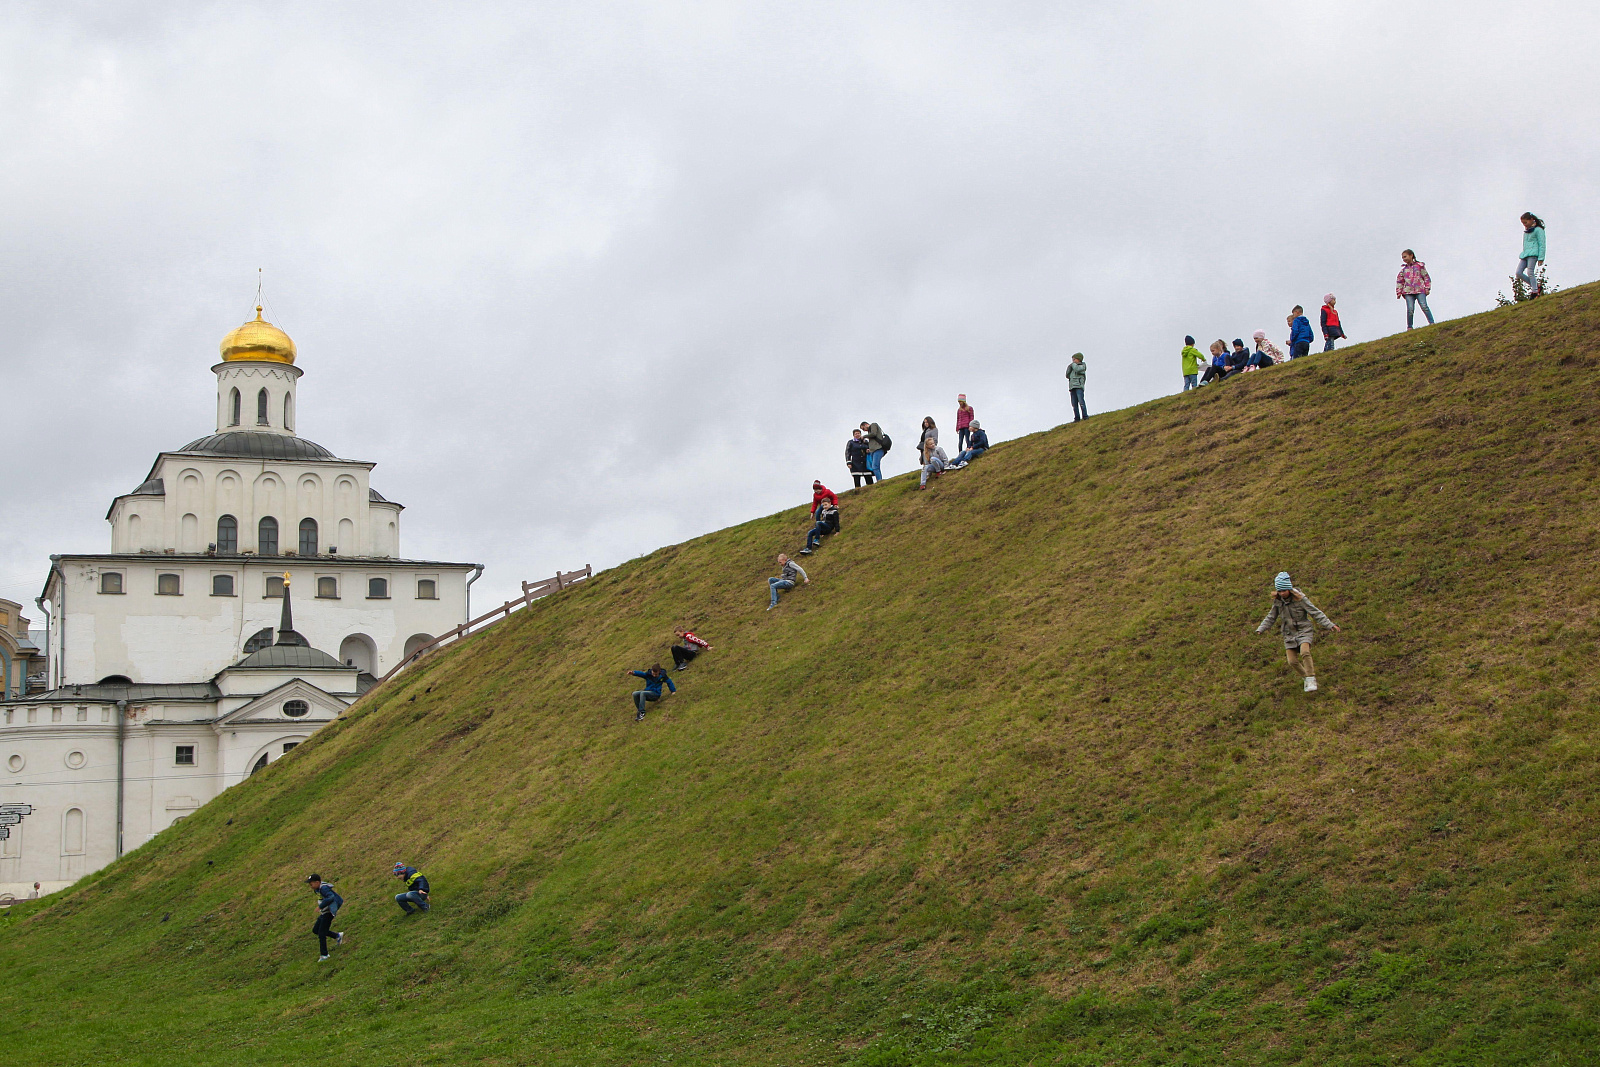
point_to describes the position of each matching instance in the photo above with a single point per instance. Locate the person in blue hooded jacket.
(416, 891)
(654, 678)
(1300, 335)
(328, 905)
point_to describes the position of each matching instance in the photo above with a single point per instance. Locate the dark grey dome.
(248, 444)
(289, 656)
(154, 487)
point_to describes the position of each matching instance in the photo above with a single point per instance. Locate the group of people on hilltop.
(1226, 363)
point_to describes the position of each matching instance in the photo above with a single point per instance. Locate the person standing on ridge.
(1331, 330)
(855, 458)
(1300, 335)
(1076, 373)
(692, 646)
(964, 417)
(1413, 284)
(654, 679)
(877, 444)
(930, 431)
(977, 445)
(1191, 364)
(1293, 612)
(416, 891)
(328, 905)
(819, 493)
(1532, 254)
(785, 578)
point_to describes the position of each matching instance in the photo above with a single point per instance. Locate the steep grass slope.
(1009, 782)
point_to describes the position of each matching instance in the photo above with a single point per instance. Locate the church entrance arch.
(415, 642)
(359, 651)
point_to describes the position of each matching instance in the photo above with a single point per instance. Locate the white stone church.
(174, 668)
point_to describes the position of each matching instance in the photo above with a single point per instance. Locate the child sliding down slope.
(1294, 611)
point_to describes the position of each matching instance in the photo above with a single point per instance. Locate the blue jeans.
(1525, 268)
(818, 532)
(1412, 300)
(1190, 381)
(962, 436)
(640, 696)
(875, 464)
(1299, 348)
(775, 584)
(1328, 345)
(405, 900)
(970, 454)
(1079, 409)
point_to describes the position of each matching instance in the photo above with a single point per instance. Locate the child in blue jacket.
(654, 678)
(416, 891)
(328, 905)
(1300, 335)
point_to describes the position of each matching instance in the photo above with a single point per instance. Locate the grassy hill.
(1010, 782)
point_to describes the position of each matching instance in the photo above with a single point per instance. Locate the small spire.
(286, 631)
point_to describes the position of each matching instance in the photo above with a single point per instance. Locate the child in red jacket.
(1331, 330)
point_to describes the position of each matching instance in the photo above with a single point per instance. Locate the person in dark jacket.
(877, 447)
(654, 679)
(328, 905)
(1331, 329)
(1300, 335)
(977, 445)
(930, 431)
(416, 889)
(827, 517)
(855, 458)
(692, 646)
(1238, 360)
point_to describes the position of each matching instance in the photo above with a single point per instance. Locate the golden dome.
(258, 340)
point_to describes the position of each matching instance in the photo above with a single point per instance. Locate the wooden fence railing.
(531, 591)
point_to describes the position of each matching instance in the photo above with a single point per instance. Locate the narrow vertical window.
(267, 536)
(288, 412)
(233, 407)
(308, 537)
(227, 535)
(261, 408)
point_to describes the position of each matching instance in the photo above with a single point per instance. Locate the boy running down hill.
(1294, 611)
(328, 904)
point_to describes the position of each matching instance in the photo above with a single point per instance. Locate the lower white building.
(174, 668)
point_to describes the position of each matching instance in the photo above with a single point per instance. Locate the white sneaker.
(1311, 685)
(322, 959)
(339, 938)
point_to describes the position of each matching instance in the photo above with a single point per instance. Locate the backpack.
(887, 444)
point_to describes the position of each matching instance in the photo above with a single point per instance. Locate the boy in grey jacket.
(1294, 611)
(1076, 373)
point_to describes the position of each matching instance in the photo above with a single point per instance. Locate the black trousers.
(857, 477)
(324, 929)
(682, 654)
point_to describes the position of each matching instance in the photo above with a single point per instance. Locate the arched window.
(110, 582)
(295, 708)
(169, 585)
(261, 408)
(267, 536)
(233, 407)
(427, 589)
(274, 588)
(227, 535)
(328, 588)
(222, 585)
(260, 763)
(308, 537)
(72, 832)
(377, 589)
(288, 412)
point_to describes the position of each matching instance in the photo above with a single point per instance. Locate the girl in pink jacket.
(1414, 285)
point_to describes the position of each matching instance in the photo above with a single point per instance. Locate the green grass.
(1009, 783)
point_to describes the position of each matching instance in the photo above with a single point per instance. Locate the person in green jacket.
(1191, 364)
(1532, 253)
(1076, 373)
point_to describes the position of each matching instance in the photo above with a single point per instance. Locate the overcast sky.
(585, 279)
